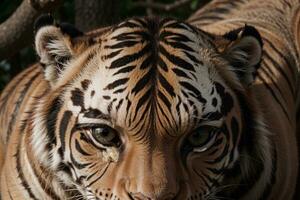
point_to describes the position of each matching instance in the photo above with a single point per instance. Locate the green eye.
(201, 138)
(106, 135)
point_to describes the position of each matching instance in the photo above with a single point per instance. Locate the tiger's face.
(148, 109)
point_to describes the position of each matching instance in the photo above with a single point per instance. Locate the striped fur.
(203, 109)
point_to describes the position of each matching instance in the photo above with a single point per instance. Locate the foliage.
(13, 65)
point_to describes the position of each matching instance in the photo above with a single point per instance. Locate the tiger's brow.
(95, 114)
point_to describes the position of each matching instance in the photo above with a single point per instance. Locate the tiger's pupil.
(103, 131)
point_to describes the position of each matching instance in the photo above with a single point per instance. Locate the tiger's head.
(150, 109)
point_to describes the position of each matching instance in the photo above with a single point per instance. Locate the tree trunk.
(17, 31)
(93, 14)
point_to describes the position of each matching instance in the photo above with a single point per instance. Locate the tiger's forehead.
(152, 74)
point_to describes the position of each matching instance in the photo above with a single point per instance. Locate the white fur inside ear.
(50, 42)
(245, 55)
(53, 47)
(248, 50)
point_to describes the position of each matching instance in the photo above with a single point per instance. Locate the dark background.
(85, 14)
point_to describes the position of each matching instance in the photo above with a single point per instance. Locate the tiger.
(156, 108)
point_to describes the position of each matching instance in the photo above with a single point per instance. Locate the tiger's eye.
(198, 139)
(106, 136)
(201, 136)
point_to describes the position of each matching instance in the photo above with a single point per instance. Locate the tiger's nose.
(140, 196)
(151, 187)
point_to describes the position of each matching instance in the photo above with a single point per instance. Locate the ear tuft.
(70, 30)
(251, 31)
(43, 20)
(243, 32)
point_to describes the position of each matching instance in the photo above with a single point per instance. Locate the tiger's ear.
(55, 45)
(243, 50)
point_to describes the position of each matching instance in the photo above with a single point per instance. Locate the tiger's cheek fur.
(208, 169)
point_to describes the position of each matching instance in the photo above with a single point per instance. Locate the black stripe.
(178, 111)
(126, 36)
(220, 157)
(179, 45)
(147, 62)
(125, 70)
(116, 83)
(193, 58)
(79, 149)
(63, 127)
(77, 164)
(95, 113)
(142, 21)
(112, 54)
(141, 133)
(119, 90)
(20, 172)
(247, 147)
(162, 64)
(77, 97)
(164, 100)
(18, 105)
(180, 73)
(177, 61)
(167, 119)
(176, 25)
(166, 85)
(193, 91)
(109, 107)
(127, 110)
(143, 81)
(91, 175)
(119, 104)
(99, 177)
(85, 84)
(51, 119)
(163, 125)
(207, 185)
(127, 24)
(180, 37)
(123, 44)
(142, 100)
(129, 58)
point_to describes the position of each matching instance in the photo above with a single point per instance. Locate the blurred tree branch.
(160, 6)
(17, 31)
